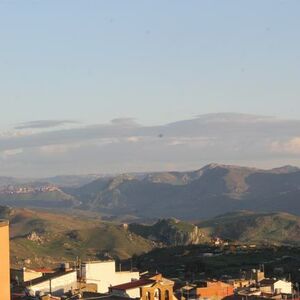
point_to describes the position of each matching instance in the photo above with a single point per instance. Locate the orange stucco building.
(4, 261)
(216, 290)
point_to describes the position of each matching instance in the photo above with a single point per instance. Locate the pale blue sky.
(157, 61)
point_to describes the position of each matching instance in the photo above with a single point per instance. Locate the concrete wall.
(283, 287)
(123, 277)
(23, 275)
(103, 273)
(216, 290)
(58, 285)
(4, 261)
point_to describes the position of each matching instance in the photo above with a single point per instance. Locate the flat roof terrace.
(3, 223)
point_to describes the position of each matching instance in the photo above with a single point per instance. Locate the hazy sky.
(69, 64)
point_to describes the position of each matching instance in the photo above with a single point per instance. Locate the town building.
(216, 290)
(4, 261)
(131, 289)
(152, 288)
(19, 276)
(103, 273)
(274, 286)
(55, 284)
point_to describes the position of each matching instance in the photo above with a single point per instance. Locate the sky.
(77, 76)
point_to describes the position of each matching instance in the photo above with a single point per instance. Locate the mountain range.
(210, 191)
(207, 192)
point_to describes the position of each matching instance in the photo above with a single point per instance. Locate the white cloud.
(57, 149)
(291, 146)
(11, 152)
(133, 139)
(123, 145)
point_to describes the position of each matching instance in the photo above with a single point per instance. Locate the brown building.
(4, 261)
(215, 290)
(151, 288)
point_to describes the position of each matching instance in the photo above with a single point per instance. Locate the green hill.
(259, 228)
(170, 232)
(43, 238)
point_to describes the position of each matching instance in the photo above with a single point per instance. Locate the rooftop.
(44, 270)
(47, 277)
(267, 281)
(91, 295)
(98, 261)
(133, 284)
(3, 223)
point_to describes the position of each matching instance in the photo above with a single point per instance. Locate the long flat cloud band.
(125, 144)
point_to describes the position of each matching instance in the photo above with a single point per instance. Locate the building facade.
(4, 261)
(215, 290)
(56, 284)
(103, 273)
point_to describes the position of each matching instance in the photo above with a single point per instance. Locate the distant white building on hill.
(275, 286)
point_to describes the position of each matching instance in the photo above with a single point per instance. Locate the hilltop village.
(27, 189)
(104, 279)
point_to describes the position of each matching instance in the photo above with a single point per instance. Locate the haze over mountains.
(212, 190)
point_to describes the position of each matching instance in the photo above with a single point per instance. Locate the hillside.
(46, 199)
(256, 228)
(42, 238)
(210, 191)
(170, 232)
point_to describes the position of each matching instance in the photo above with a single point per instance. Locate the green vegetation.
(47, 238)
(190, 263)
(258, 228)
(170, 232)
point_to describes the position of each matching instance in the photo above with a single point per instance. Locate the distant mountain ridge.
(209, 191)
(192, 195)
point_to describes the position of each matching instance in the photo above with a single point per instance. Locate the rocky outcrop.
(170, 232)
(34, 237)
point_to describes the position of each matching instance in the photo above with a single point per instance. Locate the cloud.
(12, 152)
(123, 145)
(124, 121)
(291, 146)
(41, 124)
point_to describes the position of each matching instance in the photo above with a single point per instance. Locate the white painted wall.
(58, 285)
(124, 277)
(284, 287)
(104, 275)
